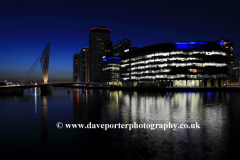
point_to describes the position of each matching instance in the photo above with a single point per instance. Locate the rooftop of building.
(119, 42)
(186, 45)
(101, 29)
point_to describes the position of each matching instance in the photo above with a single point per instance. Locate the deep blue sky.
(27, 26)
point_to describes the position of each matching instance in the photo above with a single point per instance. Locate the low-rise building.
(177, 64)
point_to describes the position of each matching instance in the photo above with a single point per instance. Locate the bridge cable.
(61, 69)
(31, 70)
(55, 57)
(63, 53)
(60, 73)
(61, 57)
(66, 70)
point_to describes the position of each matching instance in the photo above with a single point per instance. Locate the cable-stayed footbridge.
(58, 63)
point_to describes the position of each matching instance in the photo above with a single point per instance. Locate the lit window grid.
(147, 61)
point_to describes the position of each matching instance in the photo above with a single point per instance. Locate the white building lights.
(188, 64)
(162, 65)
(215, 53)
(124, 65)
(177, 52)
(161, 60)
(149, 61)
(215, 64)
(149, 55)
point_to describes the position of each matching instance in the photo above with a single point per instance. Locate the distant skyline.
(27, 26)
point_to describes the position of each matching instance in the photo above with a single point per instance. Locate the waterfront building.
(111, 63)
(84, 71)
(110, 70)
(99, 42)
(236, 58)
(177, 64)
(235, 75)
(121, 46)
(109, 52)
(76, 67)
(229, 48)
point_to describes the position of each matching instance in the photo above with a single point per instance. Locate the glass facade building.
(110, 70)
(177, 64)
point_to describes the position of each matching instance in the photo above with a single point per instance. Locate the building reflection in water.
(209, 109)
(80, 104)
(178, 108)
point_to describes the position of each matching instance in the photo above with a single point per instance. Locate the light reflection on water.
(29, 124)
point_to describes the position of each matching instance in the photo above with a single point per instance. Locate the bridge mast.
(45, 62)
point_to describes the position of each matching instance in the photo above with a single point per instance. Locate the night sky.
(27, 26)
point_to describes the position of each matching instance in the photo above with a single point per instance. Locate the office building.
(236, 58)
(111, 64)
(229, 48)
(177, 64)
(84, 71)
(76, 67)
(121, 46)
(99, 39)
(110, 70)
(236, 72)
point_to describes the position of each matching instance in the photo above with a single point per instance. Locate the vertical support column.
(45, 62)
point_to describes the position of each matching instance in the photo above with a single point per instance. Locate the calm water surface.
(28, 125)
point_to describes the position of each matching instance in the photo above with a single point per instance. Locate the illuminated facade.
(176, 64)
(110, 70)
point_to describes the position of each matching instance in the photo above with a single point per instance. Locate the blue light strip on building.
(193, 45)
(221, 43)
(116, 59)
(189, 45)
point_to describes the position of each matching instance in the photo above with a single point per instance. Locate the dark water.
(28, 125)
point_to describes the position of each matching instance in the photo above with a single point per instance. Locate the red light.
(101, 28)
